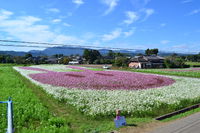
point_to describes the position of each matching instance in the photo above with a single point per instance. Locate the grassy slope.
(195, 74)
(29, 113)
(34, 109)
(185, 114)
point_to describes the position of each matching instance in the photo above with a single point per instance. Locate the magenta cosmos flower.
(99, 80)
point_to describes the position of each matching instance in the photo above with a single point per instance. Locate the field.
(100, 93)
(29, 112)
(193, 63)
(82, 99)
(187, 72)
(35, 111)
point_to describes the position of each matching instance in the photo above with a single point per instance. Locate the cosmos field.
(99, 93)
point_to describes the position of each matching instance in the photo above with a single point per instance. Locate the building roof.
(152, 58)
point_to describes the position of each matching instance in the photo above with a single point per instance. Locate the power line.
(56, 44)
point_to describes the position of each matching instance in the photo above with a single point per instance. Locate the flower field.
(99, 93)
(101, 80)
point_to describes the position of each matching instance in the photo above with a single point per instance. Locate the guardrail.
(10, 128)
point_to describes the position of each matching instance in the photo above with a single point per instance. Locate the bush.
(121, 62)
(175, 62)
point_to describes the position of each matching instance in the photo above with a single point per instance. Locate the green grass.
(29, 112)
(96, 69)
(185, 114)
(193, 63)
(195, 74)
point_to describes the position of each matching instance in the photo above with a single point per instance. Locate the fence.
(9, 115)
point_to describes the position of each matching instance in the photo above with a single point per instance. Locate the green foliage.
(151, 51)
(193, 58)
(29, 113)
(57, 122)
(65, 60)
(111, 54)
(193, 64)
(6, 59)
(91, 56)
(175, 62)
(121, 62)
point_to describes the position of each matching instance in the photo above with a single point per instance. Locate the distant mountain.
(14, 53)
(77, 50)
(63, 50)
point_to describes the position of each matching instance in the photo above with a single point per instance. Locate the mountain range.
(77, 50)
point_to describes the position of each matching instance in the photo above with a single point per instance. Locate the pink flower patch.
(101, 80)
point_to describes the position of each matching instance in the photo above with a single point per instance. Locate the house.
(52, 60)
(76, 60)
(152, 61)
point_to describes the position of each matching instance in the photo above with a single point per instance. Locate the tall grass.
(29, 113)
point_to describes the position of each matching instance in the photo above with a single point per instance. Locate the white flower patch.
(104, 102)
(55, 67)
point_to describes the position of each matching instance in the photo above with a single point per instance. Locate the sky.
(169, 25)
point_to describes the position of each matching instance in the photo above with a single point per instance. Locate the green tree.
(2, 59)
(147, 52)
(91, 55)
(121, 62)
(175, 62)
(87, 54)
(151, 51)
(111, 54)
(28, 55)
(65, 60)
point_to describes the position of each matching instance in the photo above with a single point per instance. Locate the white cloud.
(111, 5)
(4, 14)
(130, 32)
(148, 13)
(186, 1)
(165, 41)
(26, 28)
(53, 10)
(163, 24)
(67, 25)
(63, 39)
(194, 12)
(131, 17)
(56, 20)
(113, 35)
(78, 2)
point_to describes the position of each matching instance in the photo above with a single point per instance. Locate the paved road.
(190, 124)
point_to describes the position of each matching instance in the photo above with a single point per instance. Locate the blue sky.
(170, 25)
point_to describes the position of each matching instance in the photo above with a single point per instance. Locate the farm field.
(99, 93)
(63, 104)
(35, 111)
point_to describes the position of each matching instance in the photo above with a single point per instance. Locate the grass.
(194, 74)
(29, 112)
(193, 63)
(182, 115)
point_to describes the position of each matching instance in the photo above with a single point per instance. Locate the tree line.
(95, 57)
